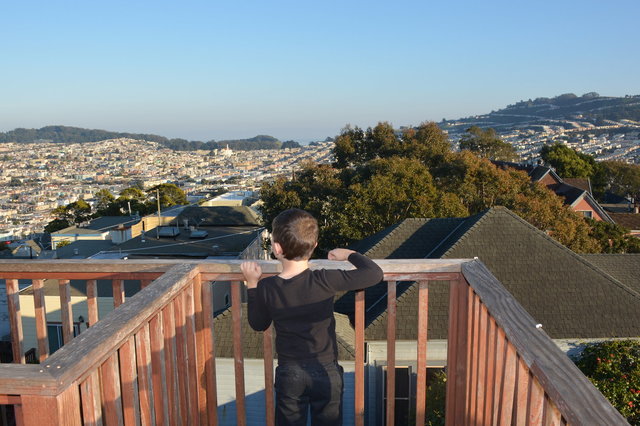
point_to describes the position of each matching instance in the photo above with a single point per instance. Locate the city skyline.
(226, 71)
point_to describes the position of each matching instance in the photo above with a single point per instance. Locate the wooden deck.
(151, 360)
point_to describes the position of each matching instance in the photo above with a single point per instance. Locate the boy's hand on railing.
(339, 254)
(252, 273)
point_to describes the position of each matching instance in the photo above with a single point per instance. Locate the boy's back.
(301, 308)
(299, 302)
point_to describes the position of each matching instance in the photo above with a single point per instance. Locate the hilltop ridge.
(566, 111)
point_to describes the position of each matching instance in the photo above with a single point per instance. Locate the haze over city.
(205, 70)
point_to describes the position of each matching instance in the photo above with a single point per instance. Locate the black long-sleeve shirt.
(301, 308)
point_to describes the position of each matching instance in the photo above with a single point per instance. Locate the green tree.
(622, 178)
(56, 225)
(487, 144)
(568, 162)
(80, 211)
(170, 195)
(104, 198)
(355, 147)
(614, 368)
(613, 238)
(381, 177)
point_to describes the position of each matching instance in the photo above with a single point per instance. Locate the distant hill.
(66, 134)
(567, 111)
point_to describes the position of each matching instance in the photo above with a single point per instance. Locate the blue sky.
(301, 70)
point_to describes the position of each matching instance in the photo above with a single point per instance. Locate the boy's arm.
(259, 318)
(366, 274)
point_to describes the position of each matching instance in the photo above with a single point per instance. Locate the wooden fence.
(151, 360)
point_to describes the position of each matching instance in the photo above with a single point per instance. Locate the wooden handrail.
(501, 366)
(577, 399)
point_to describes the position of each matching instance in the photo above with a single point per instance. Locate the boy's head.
(296, 231)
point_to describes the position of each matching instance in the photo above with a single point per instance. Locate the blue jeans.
(301, 386)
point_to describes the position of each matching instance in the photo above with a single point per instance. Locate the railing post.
(63, 409)
(15, 318)
(421, 382)
(457, 353)
(41, 320)
(359, 378)
(236, 313)
(391, 352)
(66, 311)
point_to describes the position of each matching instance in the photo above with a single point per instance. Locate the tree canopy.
(568, 162)
(487, 144)
(382, 176)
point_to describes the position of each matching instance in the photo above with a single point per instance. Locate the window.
(586, 213)
(226, 300)
(54, 333)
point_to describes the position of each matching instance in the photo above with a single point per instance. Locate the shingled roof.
(571, 297)
(252, 341)
(623, 267)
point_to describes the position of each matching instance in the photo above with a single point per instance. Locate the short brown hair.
(297, 233)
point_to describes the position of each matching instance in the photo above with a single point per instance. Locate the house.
(630, 221)
(96, 229)
(576, 192)
(78, 296)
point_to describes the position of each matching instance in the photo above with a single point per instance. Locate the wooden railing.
(151, 360)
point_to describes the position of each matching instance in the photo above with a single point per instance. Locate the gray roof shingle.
(569, 295)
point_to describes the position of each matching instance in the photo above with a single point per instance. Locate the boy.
(300, 304)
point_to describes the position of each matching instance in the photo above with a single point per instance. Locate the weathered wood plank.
(475, 355)
(145, 375)
(27, 379)
(111, 395)
(41, 320)
(118, 292)
(129, 383)
(421, 381)
(91, 400)
(507, 393)
(490, 383)
(209, 352)
(236, 314)
(192, 358)
(267, 349)
(535, 403)
(521, 393)
(359, 376)
(63, 409)
(15, 320)
(158, 371)
(171, 362)
(457, 358)
(92, 301)
(482, 364)
(201, 377)
(391, 352)
(452, 353)
(94, 345)
(201, 349)
(66, 310)
(576, 398)
(552, 416)
(499, 374)
(182, 360)
(153, 268)
(10, 400)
